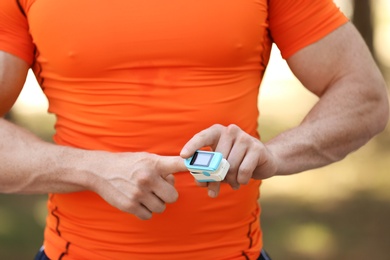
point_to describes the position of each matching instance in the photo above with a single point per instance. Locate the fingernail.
(212, 194)
(236, 187)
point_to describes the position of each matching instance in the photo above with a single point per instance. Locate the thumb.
(206, 138)
(170, 164)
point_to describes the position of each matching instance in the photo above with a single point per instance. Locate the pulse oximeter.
(207, 166)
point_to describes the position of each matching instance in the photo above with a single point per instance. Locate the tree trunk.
(362, 18)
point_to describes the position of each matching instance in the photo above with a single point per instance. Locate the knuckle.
(244, 174)
(255, 144)
(144, 179)
(217, 126)
(136, 195)
(241, 138)
(200, 135)
(232, 128)
(146, 158)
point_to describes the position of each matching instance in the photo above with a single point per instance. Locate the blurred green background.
(337, 212)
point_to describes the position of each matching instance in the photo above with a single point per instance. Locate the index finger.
(207, 137)
(167, 165)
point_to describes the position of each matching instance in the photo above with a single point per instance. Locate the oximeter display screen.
(202, 159)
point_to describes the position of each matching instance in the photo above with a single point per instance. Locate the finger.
(165, 191)
(167, 165)
(207, 137)
(229, 136)
(163, 187)
(233, 150)
(247, 167)
(153, 203)
(213, 189)
(170, 179)
(201, 184)
(123, 203)
(235, 159)
(142, 213)
(225, 146)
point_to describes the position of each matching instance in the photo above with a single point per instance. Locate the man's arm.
(353, 105)
(12, 79)
(138, 183)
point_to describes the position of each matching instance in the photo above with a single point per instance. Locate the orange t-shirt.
(146, 76)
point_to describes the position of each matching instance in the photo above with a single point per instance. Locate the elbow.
(385, 113)
(381, 115)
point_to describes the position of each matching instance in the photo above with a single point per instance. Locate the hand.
(137, 183)
(248, 157)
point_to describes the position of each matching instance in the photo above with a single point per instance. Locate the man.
(133, 84)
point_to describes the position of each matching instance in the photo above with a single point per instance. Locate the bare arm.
(138, 183)
(353, 105)
(12, 78)
(353, 108)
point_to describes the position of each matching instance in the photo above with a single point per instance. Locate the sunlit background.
(337, 212)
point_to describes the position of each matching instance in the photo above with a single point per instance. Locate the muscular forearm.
(138, 183)
(30, 165)
(336, 126)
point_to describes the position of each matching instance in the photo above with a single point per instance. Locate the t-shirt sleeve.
(14, 32)
(295, 24)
